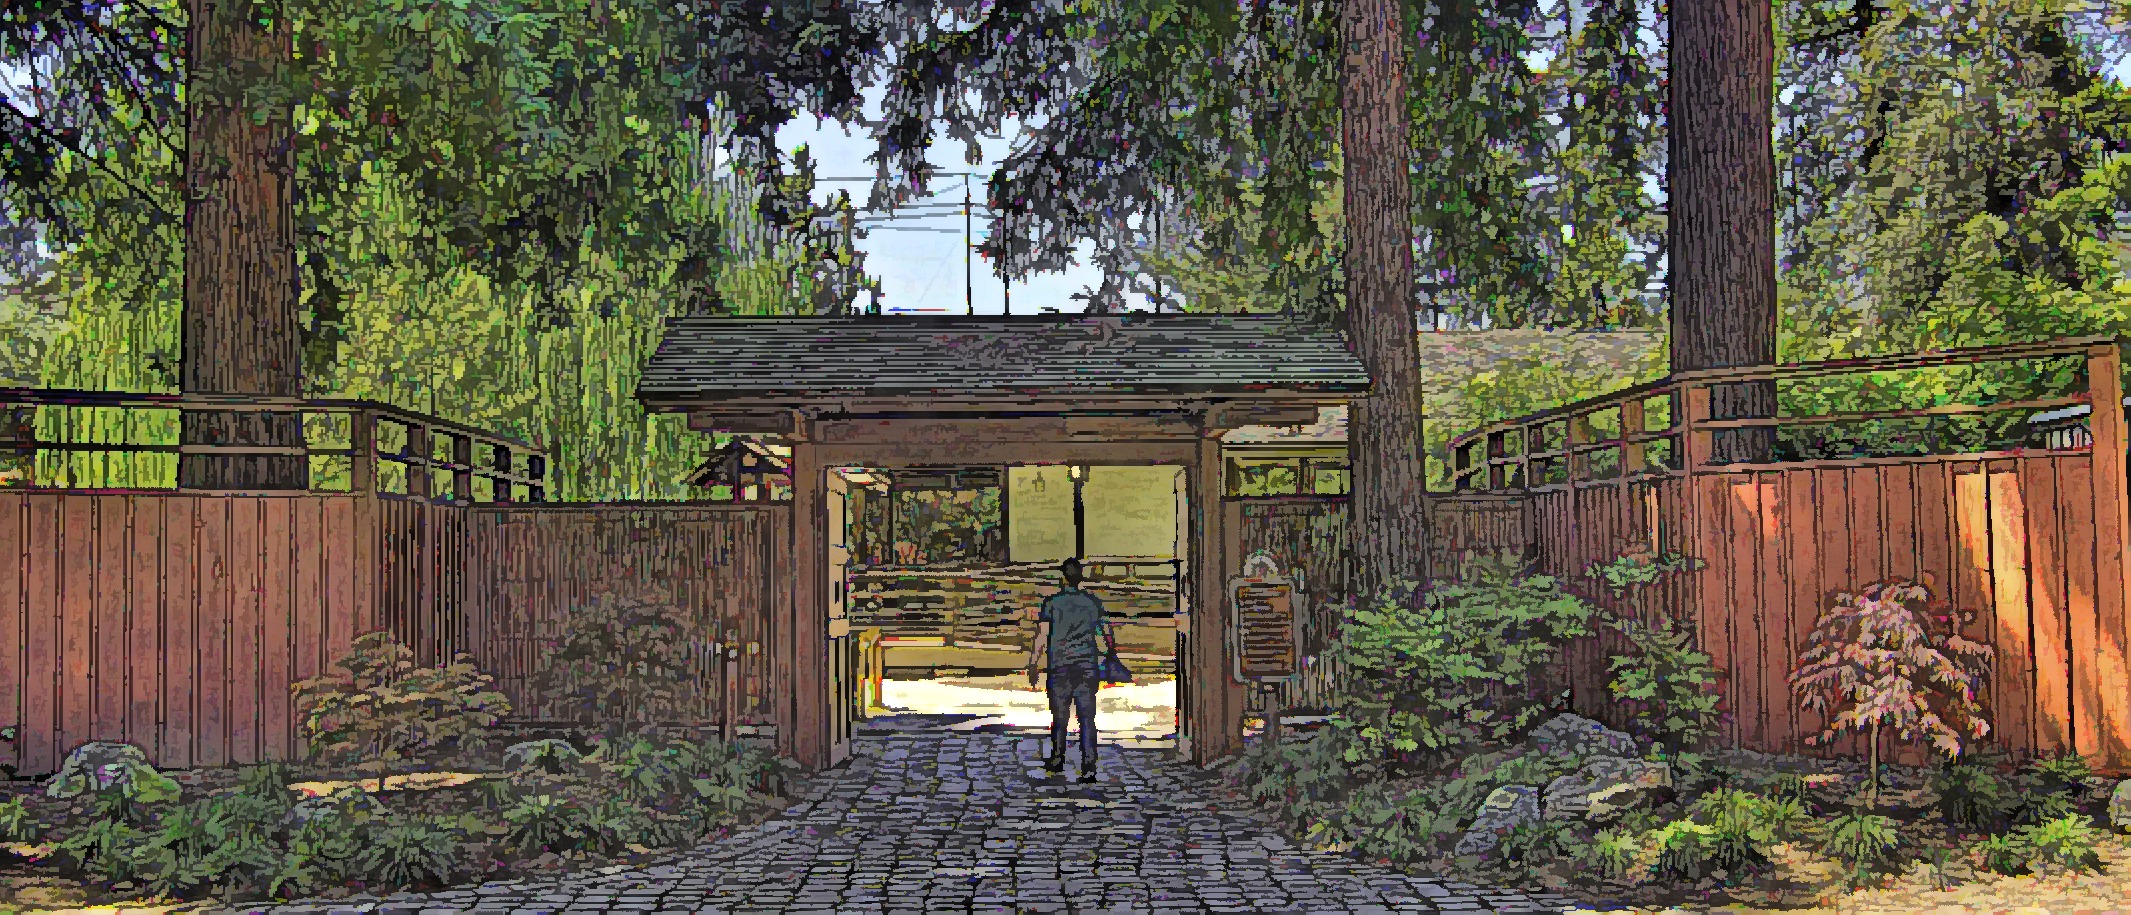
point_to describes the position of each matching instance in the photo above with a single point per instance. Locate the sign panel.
(1267, 630)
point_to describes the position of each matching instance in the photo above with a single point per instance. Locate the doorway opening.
(938, 574)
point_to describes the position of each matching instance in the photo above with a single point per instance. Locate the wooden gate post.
(2109, 689)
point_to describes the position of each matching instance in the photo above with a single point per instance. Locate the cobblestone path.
(968, 822)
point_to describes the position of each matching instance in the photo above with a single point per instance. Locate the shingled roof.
(718, 359)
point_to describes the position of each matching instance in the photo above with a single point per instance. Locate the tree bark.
(241, 334)
(1723, 208)
(1386, 515)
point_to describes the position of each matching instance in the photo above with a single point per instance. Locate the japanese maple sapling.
(1892, 655)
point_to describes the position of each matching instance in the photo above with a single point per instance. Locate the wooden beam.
(742, 422)
(1238, 415)
(805, 629)
(1217, 700)
(987, 452)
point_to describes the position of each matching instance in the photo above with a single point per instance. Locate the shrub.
(267, 781)
(380, 708)
(1384, 823)
(1740, 829)
(1538, 842)
(2066, 843)
(1454, 670)
(101, 848)
(1611, 855)
(544, 822)
(641, 771)
(410, 852)
(1682, 850)
(16, 822)
(1892, 655)
(2049, 788)
(724, 779)
(321, 853)
(222, 843)
(2006, 855)
(623, 662)
(1669, 688)
(1862, 841)
(547, 756)
(1969, 794)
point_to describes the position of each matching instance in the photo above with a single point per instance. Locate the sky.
(921, 272)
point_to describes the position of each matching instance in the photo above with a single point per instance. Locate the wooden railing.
(1525, 452)
(509, 470)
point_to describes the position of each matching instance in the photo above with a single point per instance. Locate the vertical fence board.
(2075, 491)
(14, 622)
(40, 718)
(1802, 575)
(246, 552)
(2014, 685)
(2048, 625)
(1772, 625)
(77, 608)
(277, 612)
(310, 541)
(217, 567)
(144, 644)
(108, 661)
(1742, 513)
(181, 611)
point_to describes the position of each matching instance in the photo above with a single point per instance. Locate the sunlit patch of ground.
(1147, 707)
(418, 781)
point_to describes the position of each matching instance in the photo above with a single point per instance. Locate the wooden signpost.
(1266, 633)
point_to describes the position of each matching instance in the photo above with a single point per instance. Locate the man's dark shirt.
(1075, 617)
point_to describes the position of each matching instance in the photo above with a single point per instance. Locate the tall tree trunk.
(1723, 205)
(1386, 517)
(240, 328)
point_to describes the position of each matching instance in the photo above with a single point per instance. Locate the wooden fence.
(177, 621)
(2032, 541)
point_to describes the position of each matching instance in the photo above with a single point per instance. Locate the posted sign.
(1267, 630)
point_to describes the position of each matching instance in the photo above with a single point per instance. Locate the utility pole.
(969, 275)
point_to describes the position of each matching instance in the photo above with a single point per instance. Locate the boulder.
(1504, 811)
(549, 755)
(1575, 735)
(100, 765)
(1607, 787)
(2120, 805)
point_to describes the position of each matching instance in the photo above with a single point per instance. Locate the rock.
(1575, 735)
(550, 755)
(1607, 787)
(1504, 811)
(2120, 805)
(101, 765)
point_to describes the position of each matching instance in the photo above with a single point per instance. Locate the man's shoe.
(1054, 765)
(1087, 773)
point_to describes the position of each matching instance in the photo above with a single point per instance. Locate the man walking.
(1068, 648)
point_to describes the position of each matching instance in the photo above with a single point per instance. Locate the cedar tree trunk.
(1387, 518)
(240, 327)
(1723, 208)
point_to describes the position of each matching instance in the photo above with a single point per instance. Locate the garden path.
(960, 821)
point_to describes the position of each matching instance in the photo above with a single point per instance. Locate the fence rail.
(435, 458)
(1525, 452)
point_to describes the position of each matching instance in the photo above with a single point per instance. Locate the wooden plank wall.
(536, 563)
(173, 621)
(2013, 539)
(178, 621)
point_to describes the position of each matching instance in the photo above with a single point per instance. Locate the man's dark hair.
(1070, 571)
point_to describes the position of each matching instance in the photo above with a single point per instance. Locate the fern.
(1969, 794)
(411, 853)
(2006, 855)
(1864, 842)
(2066, 842)
(1611, 855)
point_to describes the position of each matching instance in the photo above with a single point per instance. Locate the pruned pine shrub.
(1891, 657)
(1455, 668)
(623, 663)
(381, 710)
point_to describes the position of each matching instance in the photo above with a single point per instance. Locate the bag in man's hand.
(1113, 667)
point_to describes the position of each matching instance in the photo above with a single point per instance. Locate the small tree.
(623, 661)
(1892, 655)
(1670, 689)
(381, 708)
